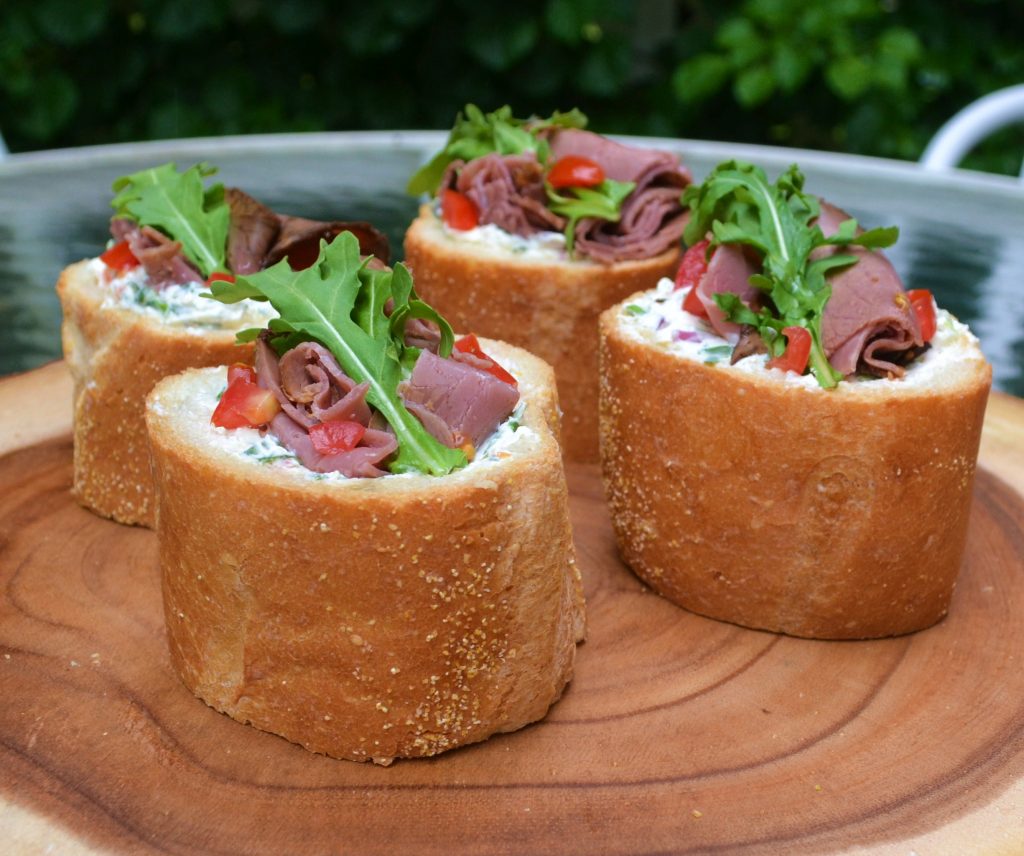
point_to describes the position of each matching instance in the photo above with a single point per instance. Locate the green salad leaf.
(738, 205)
(603, 201)
(339, 302)
(179, 206)
(476, 134)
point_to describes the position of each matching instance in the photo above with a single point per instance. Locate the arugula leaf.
(476, 134)
(339, 302)
(178, 205)
(603, 201)
(738, 205)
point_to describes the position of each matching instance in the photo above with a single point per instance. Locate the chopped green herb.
(145, 296)
(633, 309)
(268, 457)
(716, 353)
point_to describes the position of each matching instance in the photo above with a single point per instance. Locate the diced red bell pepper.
(217, 276)
(923, 305)
(119, 257)
(333, 438)
(458, 211)
(691, 271)
(245, 405)
(798, 349)
(693, 305)
(471, 345)
(575, 171)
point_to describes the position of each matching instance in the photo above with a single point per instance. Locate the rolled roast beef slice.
(619, 162)
(750, 342)
(253, 230)
(162, 258)
(435, 425)
(729, 271)
(121, 228)
(361, 462)
(311, 376)
(651, 223)
(508, 191)
(268, 376)
(652, 218)
(473, 403)
(299, 240)
(868, 303)
(259, 237)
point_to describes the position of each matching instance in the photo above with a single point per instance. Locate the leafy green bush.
(854, 75)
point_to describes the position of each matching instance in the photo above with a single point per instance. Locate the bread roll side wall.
(115, 357)
(813, 513)
(373, 619)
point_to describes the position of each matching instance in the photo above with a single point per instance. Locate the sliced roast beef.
(456, 402)
(259, 237)
(750, 343)
(651, 223)
(868, 322)
(161, 257)
(729, 271)
(299, 240)
(312, 378)
(471, 402)
(422, 334)
(619, 162)
(253, 228)
(508, 191)
(652, 217)
(361, 462)
(312, 388)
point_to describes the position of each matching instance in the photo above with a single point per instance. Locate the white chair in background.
(970, 126)
(1004, 297)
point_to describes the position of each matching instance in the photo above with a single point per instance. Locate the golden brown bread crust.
(549, 308)
(822, 514)
(115, 357)
(395, 617)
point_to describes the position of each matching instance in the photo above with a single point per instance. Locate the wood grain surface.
(678, 734)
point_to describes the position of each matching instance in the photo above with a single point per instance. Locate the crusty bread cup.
(548, 307)
(115, 356)
(367, 618)
(750, 498)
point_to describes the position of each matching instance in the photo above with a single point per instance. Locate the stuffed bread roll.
(537, 226)
(137, 313)
(374, 558)
(797, 454)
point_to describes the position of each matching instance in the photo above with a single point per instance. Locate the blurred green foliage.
(867, 76)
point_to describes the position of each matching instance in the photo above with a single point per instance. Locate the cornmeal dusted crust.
(548, 307)
(115, 357)
(374, 618)
(837, 515)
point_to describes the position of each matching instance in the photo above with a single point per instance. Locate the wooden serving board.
(678, 734)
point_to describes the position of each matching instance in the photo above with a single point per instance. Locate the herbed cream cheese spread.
(657, 318)
(178, 305)
(542, 246)
(548, 246)
(263, 449)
